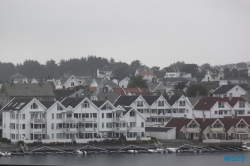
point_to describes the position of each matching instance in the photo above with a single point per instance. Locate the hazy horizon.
(157, 34)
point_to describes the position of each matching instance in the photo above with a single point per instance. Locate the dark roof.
(73, 102)
(206, 123)
(125, 100)
(111, 96)
(171, 79)
(223, 89)
(98, 103)
(171, 100)
(178, 123)
(206, 103)
(150, 99)
(229, 122)
(47, 104)
(61, 94)
(17, 104)
(194, 100)
(111, 84)
(127, 109)
(241, 65)
(29, 90)
(158, 129)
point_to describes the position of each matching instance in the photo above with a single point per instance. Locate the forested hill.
(83, 66)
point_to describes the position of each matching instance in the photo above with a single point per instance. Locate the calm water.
(205, 159)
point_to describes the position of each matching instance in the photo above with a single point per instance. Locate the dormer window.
(34, 106)
(72, 84)
(160, 103)
(139, 103)
(217, 125)
(132, 113)
(242, 104)
(85, 104)
(59, 108)
(182, 103)
(221, 104)
(241, 125)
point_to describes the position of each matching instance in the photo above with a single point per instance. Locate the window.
(241, 112)
(52, 135)
(139, 103)
(220, 112)
(132, 113)
(181, 111)
(108, 115)
(132, 124)
(23, 116)
(59, 116)
(160, 103)
(187, 110)
(102, 115)
(142, 124)
(221, 104)
(242, 104)
(102, 125)
(34, 106)
(215, 112)
(72, 84)
(23, 126)
(59, 108)
(109, 125)
(85, 104)
(248, 112)
(225, 112)
(52, 126)
(182, 103)
(52, 116)
(236, 89)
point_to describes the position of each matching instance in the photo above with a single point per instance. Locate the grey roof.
(172, 99)
(237, 78)
(17, 104)
(61, 94)
(194, 100)
(125, 100)
(181, 79)
(152, 85)
(82, 93)
(158, 129)
(47, 104)
(29, 90)
(98, 80)
(150, 99)
(191, 79)
(241, 65)
(223, 89)
(111, 84)
(98, 103)
(111, 96)
(73, 102)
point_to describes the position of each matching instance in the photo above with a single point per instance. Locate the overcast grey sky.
(156, 32)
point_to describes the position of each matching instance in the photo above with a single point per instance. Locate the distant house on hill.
(145, 72)
(18, 78)
(104, 73)
(213, 75)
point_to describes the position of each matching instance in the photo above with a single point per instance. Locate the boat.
(246, 146)
(79, 152)
(152, 151)
(5, 154)
(132, 151)
(171, 150)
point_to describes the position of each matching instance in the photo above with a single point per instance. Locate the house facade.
(73, 119)
(213, 75)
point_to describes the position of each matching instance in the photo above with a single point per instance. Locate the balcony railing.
(35, 130)
(87, 129)
(118, 119)
(120, 129)
(134, 128)
(87, 119)
(70, 120)
(192, 130)
(217, 129)
(243, 129)
(35, 120)
(69, 130)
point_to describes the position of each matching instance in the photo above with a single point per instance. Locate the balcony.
(192, 130)
(35, 120)
(135, 129)
(118, 119)
(70, 120)
(87, 119)
(87, 129)
(69, 130)
(120, 129)
(36, 130)
(216, 129)
(241, 129)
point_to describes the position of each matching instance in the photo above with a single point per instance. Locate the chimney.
(197, 94)
(230, 96)
(169, 95)
(204, 117)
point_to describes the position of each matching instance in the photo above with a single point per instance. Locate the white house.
(226, 90)
(124, 82)
(213, 75)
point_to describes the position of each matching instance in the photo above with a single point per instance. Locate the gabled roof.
(111, 84)
(47, 104)
(29, 90)
(206, 103)
(223, 89)
(98, 103)
(73, 102)
(150, 99)
(110, 96)
(178, 123)
(153, 85)
(206, 123)
(171, 100)
(125, 100)
(193, 100)
(17, 104)
(229, 122)
(61, 94)
(119, 91)
(132, 90)
(241, 65)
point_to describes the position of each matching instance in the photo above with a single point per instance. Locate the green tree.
(205, 66)
(190, 68)
(137, 81)
(120, 70)
(227, 72)
(193, 89)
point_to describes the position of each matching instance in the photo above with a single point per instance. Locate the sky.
(156, 32)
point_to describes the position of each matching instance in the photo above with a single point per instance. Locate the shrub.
(20, 142)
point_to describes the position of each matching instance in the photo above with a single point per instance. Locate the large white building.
(73, 119)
